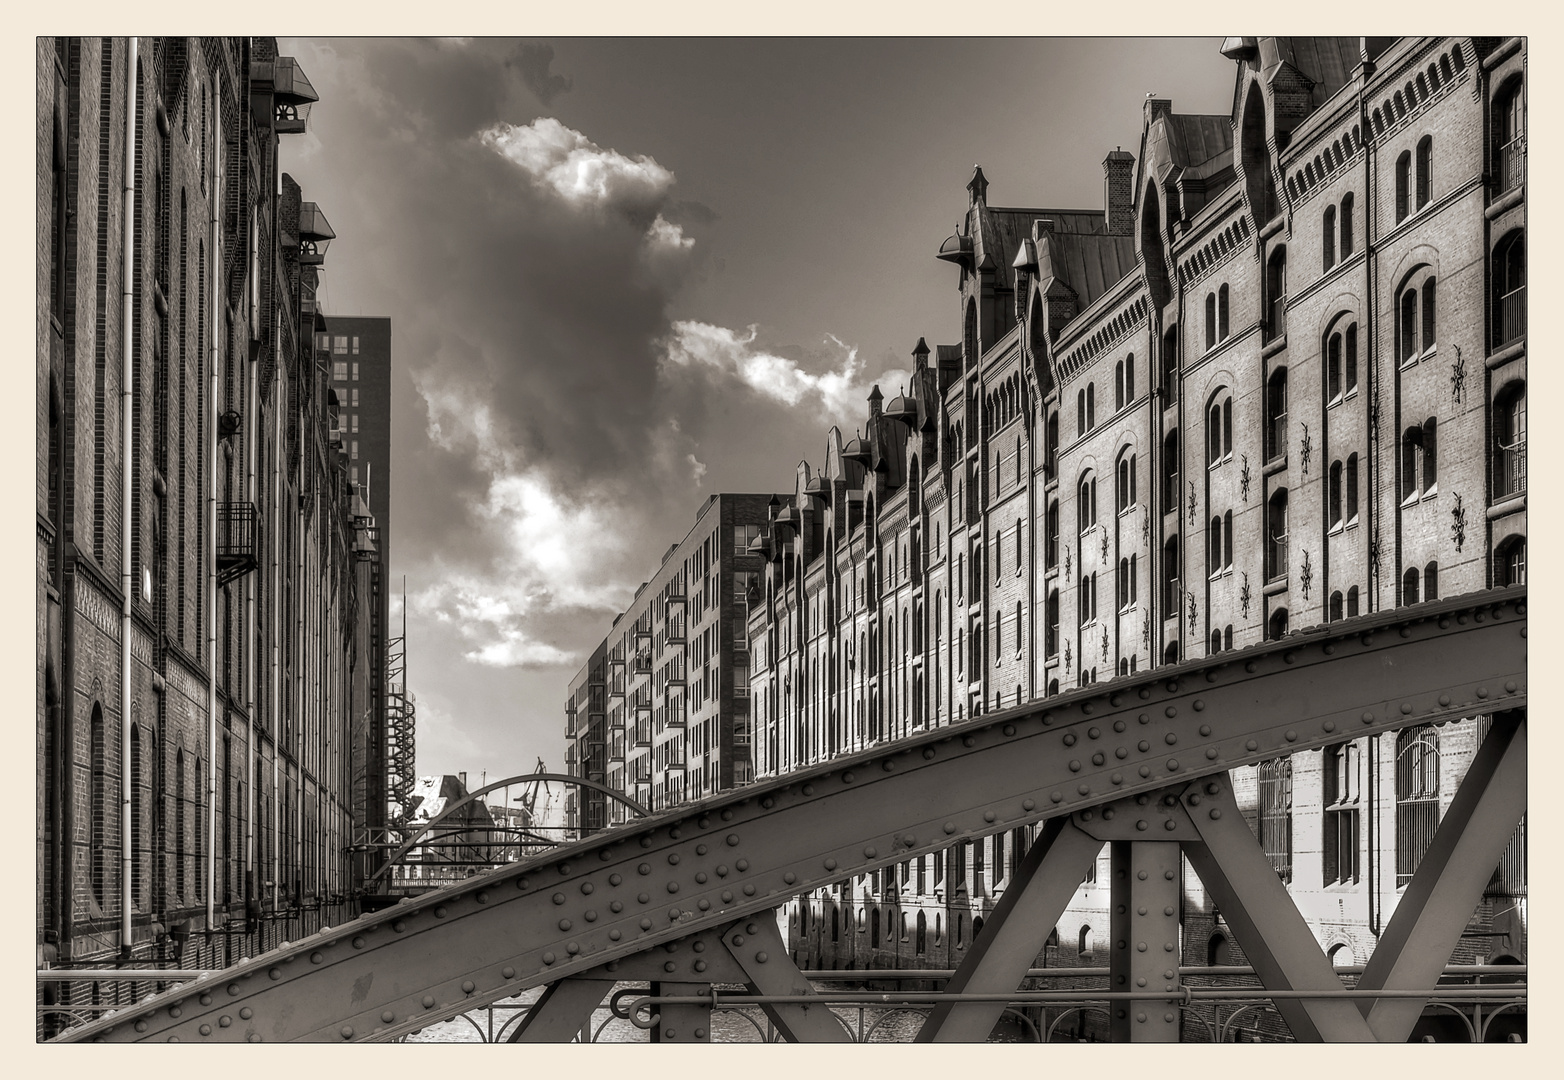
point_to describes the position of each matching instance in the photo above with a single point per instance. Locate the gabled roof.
(1089, 264)
(1008, 227)
(1327, 62)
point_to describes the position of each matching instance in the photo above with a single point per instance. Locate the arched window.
(1431, 581)
(97, 808)
(1227, 642)
(1352, 489)
(1083, 942)
(1510, 133)
(1430, 455)
(1172, 594)
(1329, 233)
(1417, 797)
(1334, 514)
(1412, 451)
(1403, 186)
(180, 807)
(1276, 294)
(1170, 460)
(1170, 366)
(874, 928)
(1342, 787)
(1125, 487)
(922, 933)
(1170, 654)
(1333, 358)
(1430, 326)
(1407, 326)
(1346, 225)
(969, 335)
(1221, 313)
(1052, 646)
(1352, 602)
(1053, 443)
(1351, 377)
(1509, 431)
(1210, 320)
(1278, 624)
(1335, 605)
(1052, 527)
(1216, 641)
(1509, 281)
(1512, 562)
(1219, 430)
(1276, 414)
(1409, 583)
(1425, 170)
(1217, 952)
(1274, 780)
(1091, 406)
(1214, 561)
(1118, 386)
(1080, 412)
(1086, 503)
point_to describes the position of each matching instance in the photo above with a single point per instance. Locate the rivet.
(1048, 718)
(614, 879)
(888, 765)
(738, 939)
(1216, 813)
(643, 869)
(727, 896)
(1211, 753)
(808, 789)
(670, 966)
(761, 958)
(564, 869)
(1289, 656)
(1167, 946)
(564, 924)
(1251, 666)
(1141, 1017)
(315, 958)
(1094, 733)
(749, 890)
(254, 1037)
(1461, 618)
(1141, 825)
(699, 946)
(1009, 729)
(1482, 692)
(1117, 778)
(176, 1012)
(1168, 910)
(483, 897)
(673, 860)
(870, 852)
(521, 884)
(643, 898)
(586, 888)
(1085, 789)
(750, 928)
(1069, 738)
(358, 943)
(233, 989)
(549, 958)
(605, 855)
(1329, 650)
(1141, 910)
(1291, 736)
(1213, 788)
(1170, 824)
(206, 1029)
(790, 877)
(347, 1031)
(847, 777)
(175, 1038)
(988, 815)
(1329, 725)
(1171, 739)
(1143, 746)
(1028, 804)
(1171, 711)
(722, 870)
(1087, 815)
(1406, 631)
(732, 839)
(1097, 758)
(1168, 1016)
(1088, 708)
(1143, 718)
(1056, 796)
(1406, 707)
(950, 827)
(572, 948)
(387, 1017)
(768, 802)
(206, 999)
(274, 974)
(246, 1012)
(673, 886)
(1172, 764)
(646, 924)
(399, 925)
(1107, 813)
(726, 815)
(141, 1025)
(700, 965)
(1145, 771)
(613, 935)
(1140, 946)
(928, 753)
(1509, 687)
(510, 972)
(741, 865)
(1075, 764)
(559, 897)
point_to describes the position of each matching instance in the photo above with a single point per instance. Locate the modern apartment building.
(1308, 321)
(672, 722)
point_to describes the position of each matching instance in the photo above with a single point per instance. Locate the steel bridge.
(684, 899)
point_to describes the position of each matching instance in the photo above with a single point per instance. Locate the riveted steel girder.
(1449, 880)
(706, 864)
(1143, 955)
(563, 1011)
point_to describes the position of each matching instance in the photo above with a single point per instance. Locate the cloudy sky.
(625, 274)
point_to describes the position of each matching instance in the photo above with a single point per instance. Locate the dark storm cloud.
(533, 61)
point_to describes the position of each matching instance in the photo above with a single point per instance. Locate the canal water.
(727, 1026)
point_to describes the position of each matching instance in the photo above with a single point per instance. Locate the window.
(1088, 600)
(1509, 282)
(1052, 529)
(1083, 945)
(1425, 170)
(1343, 781)
(1431, 581)
(1352, 489)
(1219, 430)
(1172, 594)
(1417, 797)
(1091, 406)
(1512, 562)
(1510, 131)
(1086, 503)
(1125, 584)
(1214, 547)
(1509, 429)
(1124, 489)
(355, 363)
(355, 348)
(1419, 460)
(1124, 382)
(1329, 234)
(353, 420)
(339, 370)
(1210, 320)
(1276, 295)
(1352, 602)
(1351, 377)
(1333, 369)
(1221, 313)
(1403, 187)
(180, 819)
(1334, 514)
(1278, 624)
(1335, 606)
(1170, 366)
(1080, 412)
(1409, 590)
(1430, 336)
(97, 809)
(1276, 414)
(1346, 225)
(1406, 328)
(1052, 646)
(354, 397)
(1274, 779)
(339, 344)
(1053, 442)
(1170, 459)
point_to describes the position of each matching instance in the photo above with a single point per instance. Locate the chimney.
(462, 776)
(1118, 170)
(1156, 107)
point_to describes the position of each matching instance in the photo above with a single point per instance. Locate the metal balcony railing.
(1512, 316)
(238, 537)
(1512, 165)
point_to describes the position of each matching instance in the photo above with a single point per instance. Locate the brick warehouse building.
(197, 542)
(660, 710)
(1307, 322)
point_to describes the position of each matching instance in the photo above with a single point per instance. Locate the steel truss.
(682, 900)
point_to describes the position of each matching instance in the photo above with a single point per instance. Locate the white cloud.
(697, 469)
(665, 234)
(577, 169)
(840, 392)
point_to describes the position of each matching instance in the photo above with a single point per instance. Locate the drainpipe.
(127, 585)
(214, 246)
(279, 397)
(249, 654)
(1370, 506)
